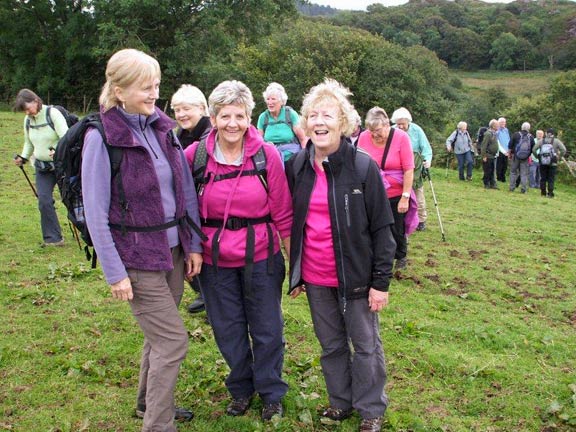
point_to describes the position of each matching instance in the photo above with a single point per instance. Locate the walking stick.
(448, 158)
(26, 175)
(426, 174)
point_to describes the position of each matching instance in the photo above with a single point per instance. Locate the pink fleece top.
(318, 260)
(243, 197)
(400, 157)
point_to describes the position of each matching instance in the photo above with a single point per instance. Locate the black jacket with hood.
(360, 216)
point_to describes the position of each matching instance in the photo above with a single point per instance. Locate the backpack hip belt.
(234, 224)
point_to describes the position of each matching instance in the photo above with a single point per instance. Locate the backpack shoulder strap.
(288, 114)
(49, 117)
(361, 164)
(266, 120)
(259, 161)
(199, 165)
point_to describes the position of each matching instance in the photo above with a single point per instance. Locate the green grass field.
(513, 83)
(479, 335)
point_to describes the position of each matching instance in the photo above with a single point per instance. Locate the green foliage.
(376, 71)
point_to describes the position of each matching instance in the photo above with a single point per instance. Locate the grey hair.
(376, 117)
(124, 68)
(230, 92)
(492, 123)
(525, 126)
(276, 89)
(330, 92)
(191, 95)
(462, 125)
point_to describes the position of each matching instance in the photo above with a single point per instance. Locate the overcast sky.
(361, 4)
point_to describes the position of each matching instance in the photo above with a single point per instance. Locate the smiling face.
(140, 97)
(232, 121)
(273, 103)
(324, 128)
(188, 115)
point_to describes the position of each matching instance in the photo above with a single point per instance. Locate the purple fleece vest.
(144, 250)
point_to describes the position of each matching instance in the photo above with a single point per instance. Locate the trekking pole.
(26, 175)
(426, 174)
(448, 157)
(569, 167)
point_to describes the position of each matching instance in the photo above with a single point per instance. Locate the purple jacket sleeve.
(96, 173)
(191, 204)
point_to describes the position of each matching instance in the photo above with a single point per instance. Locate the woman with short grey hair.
(460, 143)
(279, 123)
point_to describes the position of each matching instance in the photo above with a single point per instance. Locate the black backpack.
(199, 168)
(480, 136)
(71, 119)
(68, 168)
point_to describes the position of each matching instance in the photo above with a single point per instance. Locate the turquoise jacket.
(420, 143)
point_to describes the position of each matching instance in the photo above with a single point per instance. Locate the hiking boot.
(421, 226)
(494, 187)
(238, 407)
(272, 409)
(550, 195)
(401, 264)
(337, 414)
(180, 414)
(197, 306)
(468, 178)
(522, 190)
(53, 244)
(371, 425)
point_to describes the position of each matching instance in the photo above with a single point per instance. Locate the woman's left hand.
(403, 205)
(193, 265)
(377, 300)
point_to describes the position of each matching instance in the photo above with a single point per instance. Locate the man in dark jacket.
(488, 153)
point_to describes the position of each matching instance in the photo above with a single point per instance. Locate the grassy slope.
(514, 83)
(479, 335)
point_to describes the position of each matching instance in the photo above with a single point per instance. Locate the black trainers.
(337, 414)
(197, 306)
(271, 410)
(238, 407)
(371, 425)
(180, 414)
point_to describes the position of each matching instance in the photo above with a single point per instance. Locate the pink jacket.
(243, 197)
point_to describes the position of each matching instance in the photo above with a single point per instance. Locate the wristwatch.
(405, 195)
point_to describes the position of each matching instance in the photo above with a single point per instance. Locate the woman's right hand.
(122, 290)
(403, 205)
(297, 291)
(18, 161)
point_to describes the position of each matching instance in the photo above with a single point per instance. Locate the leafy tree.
(503, 52)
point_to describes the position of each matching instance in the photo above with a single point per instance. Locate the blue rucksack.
(523, 149)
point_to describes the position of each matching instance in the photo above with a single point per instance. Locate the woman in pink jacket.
(244, 204)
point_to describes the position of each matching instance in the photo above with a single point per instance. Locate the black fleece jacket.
(360, 216)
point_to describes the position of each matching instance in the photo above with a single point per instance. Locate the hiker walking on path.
(43, 127)
(191, 113)
(391, 149)
(342, 254)
(460, 143)
(521, 147)
(549, 151)
(488, 153)
(279, 123)
(140, 225)
(422, 158)
(245, 207)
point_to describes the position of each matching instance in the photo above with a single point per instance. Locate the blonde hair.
(125, 68)
(278, 90)
(230, 93)
(191, 95)
(330, 92)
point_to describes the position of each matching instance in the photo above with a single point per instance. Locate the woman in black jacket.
(342, 253)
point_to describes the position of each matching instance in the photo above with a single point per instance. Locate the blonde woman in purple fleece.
(140, 225)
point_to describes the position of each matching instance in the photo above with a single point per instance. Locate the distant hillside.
(311, 9)
(472, 34)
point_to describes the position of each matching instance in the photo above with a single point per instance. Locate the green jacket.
(489, 147)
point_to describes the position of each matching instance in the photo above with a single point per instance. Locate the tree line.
(60, 49)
